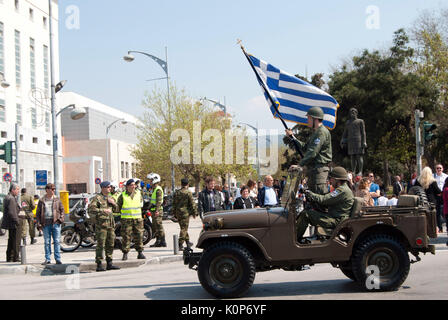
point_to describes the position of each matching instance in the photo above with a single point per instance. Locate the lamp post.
(258, 156)
(164, 65)
(107, 144)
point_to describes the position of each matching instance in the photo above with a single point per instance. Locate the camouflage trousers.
(131, 229)
(159, 232)
(315, 218)
(184, 221)
(105, 240)
(24, 227)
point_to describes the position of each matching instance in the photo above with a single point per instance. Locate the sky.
(304, 37)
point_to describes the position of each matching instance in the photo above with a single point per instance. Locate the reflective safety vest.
(132, 208)
(36, 201)
(154, 198)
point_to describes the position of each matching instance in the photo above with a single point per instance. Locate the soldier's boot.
(141, 255)
(162, 242)
(110, 266)
(99, 267)
(189, 244)
(156, 244)
(181, 246)
(125, 256)
(33, 241)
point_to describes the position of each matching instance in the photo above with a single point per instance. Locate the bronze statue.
(354, 138)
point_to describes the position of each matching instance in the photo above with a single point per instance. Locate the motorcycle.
(82, 233)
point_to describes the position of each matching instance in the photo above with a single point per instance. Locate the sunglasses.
(51, 189)
(439, 168)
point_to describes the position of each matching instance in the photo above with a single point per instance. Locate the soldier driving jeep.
(339, 204)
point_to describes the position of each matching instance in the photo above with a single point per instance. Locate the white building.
(97, 145)
(25, 66)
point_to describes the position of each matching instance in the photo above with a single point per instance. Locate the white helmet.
(154, 177)
(114, 184)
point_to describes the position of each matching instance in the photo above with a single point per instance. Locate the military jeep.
(238, 243)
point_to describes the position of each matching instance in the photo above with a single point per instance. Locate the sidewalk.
(84, 258)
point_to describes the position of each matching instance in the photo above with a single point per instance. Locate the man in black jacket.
(11, 222)
(397, 186)
(209, 199)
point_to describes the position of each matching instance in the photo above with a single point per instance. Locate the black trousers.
(13, 249)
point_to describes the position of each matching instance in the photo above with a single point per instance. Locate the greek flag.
(293, 96)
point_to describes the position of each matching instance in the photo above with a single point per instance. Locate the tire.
(385, 252)
(88, 242)
(420, 192)
(70, 239)
(348, 272)
(226, 270)
(147, 234)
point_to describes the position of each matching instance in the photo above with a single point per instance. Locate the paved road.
(176, 281)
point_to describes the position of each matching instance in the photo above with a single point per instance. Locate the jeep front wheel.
(226, 270)
(385, 255)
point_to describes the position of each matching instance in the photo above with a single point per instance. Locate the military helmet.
(339, 173)
(315, 112)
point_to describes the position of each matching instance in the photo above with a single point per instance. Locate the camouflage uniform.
(339, 203)
(159, 232)
(183, 208)
(27, 204)
(131, 229)
(104, 226)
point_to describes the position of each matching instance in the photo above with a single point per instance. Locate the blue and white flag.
(293, 96)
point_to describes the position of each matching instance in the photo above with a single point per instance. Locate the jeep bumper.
(191, 258)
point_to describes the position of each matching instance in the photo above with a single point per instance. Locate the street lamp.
(107, 144)
(164, 65)
(218, 104)
(4, 83)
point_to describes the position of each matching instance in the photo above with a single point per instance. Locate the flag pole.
(274, 103)
(270, 98)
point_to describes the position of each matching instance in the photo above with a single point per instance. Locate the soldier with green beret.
(317, 151)
(183, 208)
(102, 207)
(339, 204)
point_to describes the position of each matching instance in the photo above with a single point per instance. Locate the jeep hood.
(237, 219)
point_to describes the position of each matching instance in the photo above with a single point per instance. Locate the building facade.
(26, 67)
(98, 146)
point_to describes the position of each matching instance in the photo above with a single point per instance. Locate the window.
(46, 82)
(35, 140)
(21, 137)
(2, 111)
(127, 170)
(47, 121)
(31, 14)
(33, 118)
(44, 22)
(32, 64)
(19, 114)
(2, 52)
(17, 45)
(16, 3)
(122, 169)
(4, 134)
(48, 142)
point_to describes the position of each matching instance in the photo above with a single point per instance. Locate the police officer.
(27, 203)
(102, 207)
(157, 210)
(339, 203)
(183, 208)
(130, 205)
(317, 152)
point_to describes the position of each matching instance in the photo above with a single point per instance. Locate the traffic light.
(7, 156)
(428, 136)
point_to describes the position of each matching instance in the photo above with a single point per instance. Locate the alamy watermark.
(73, 280)
(373, 17)
(210, 147)
(73, 19)
(373, 279)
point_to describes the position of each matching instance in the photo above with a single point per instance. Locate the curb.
(68, 268)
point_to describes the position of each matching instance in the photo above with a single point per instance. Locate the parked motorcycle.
(82, 233)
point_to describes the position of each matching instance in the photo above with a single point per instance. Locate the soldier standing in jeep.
(339, 203)
(318, 151)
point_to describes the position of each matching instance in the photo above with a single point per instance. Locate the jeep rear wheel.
(226, 270)
(385, 254)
